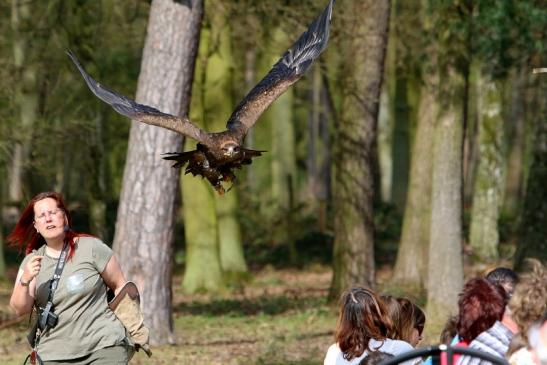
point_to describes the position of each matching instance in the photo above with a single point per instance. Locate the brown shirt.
(86, 324)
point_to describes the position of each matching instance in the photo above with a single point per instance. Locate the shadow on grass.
(270, 305)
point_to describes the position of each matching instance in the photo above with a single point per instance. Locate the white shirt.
(395, 347)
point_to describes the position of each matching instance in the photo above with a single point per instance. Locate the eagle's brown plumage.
(217, 154)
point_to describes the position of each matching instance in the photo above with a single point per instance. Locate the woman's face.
(49, 220)
(415, 337)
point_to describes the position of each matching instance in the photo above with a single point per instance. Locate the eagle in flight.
(217, 154)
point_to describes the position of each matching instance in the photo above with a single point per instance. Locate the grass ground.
(281, 317)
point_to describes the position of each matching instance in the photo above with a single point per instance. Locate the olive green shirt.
(86, 324)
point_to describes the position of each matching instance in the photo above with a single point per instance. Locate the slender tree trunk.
(534, 217)
(145, 222)
(323, 191)
(411, 265)
(385, 135)
(354, 182)
(2, 259)
(445, 269)
(318, 154)
(487, 198)
(515, 171)
(26, 95)
(97, 184)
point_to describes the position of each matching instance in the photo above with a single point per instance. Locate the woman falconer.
(77, 326)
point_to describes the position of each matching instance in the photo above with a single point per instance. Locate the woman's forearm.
(21, 301)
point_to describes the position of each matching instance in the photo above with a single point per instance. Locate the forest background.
(411, 156)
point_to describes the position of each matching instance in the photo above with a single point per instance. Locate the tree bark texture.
(490, 175)
(445, 269)
(411, 265)
(146, 216)
(355, 164)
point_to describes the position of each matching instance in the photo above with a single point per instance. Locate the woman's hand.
(32, 268)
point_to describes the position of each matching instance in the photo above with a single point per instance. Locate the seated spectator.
(527, 305)
(505, 277)
(408, 319)
(480, 305)
(449, 334)
(394, 312)
(362, 329)
(412, 322)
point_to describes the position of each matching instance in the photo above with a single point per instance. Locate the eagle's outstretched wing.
(139, 112)
(284, 73)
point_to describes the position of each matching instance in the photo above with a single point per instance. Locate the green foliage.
(508, 33)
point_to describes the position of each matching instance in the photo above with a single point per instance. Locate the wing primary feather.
(140, 112)
(290, 67)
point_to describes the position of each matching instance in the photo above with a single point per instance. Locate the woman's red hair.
(24, 235)
(481, 304)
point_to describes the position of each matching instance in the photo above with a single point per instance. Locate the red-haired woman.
(87, 331)
(480, 304)
(363, 327)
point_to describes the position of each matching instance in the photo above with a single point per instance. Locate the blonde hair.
(529, 301)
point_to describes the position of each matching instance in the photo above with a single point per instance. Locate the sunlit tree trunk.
(353, 192)
(445, 266)
(218, 105)
(145, 221)
(533, 229)
(411, 265)
(385, 135)
(489, 179)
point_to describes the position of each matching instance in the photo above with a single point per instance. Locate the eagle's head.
(229, 149)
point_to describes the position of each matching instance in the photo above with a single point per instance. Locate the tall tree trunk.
(97, 184)
(445, 269)
(411, 265)
(400, 146)
(515, 161)
(145, 222)
(385, 135)
(325, 156)
(487, 198)
(354, 185)
(534, 217)
(2, 259)
(318, 154)
(26, 95)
